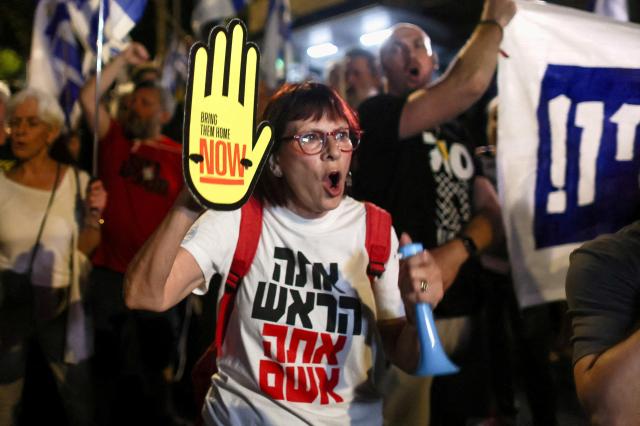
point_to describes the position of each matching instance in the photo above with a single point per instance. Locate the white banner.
(569, 140)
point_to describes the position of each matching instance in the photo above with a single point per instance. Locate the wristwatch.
(469, 245)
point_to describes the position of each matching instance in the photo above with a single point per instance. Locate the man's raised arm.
(134, 54)
(466, 79)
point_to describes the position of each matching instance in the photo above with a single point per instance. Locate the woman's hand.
(420, 280)
(95, 201)
(186, 201)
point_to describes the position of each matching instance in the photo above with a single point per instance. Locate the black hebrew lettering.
(288, 295)
(298, 308)
(286, 255)
(346, 302)
(301, 278)
(329, 301)
(323, 280)
(267, 310)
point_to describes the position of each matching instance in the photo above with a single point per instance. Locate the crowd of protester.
(116, 357)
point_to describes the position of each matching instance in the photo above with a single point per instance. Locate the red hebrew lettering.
(272, 371)
(280, 333)
(309, 338)
(303, 392)
(327, 386)
(328, 349)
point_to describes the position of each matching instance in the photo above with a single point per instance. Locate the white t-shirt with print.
(301, 345)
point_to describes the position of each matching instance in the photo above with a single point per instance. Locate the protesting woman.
(308, 335)
(49, 223)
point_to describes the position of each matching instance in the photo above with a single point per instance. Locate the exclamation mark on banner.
(589, 116)
(558, 115)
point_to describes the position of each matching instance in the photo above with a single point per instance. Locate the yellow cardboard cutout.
(222, 154)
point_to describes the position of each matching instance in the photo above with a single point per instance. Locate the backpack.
(377, 243)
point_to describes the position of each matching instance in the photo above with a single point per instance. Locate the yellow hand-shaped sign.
(222, 154)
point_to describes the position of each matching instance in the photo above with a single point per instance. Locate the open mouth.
(414, 71)
(334, 179)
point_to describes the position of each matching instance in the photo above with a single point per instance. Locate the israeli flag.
(64, 43)
(120, 16)
(175, 67)
(55, 65)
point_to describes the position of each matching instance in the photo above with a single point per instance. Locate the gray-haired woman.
(49, 223)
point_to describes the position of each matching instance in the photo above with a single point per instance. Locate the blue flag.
(64, 43)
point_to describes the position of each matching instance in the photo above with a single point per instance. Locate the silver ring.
(424, 286)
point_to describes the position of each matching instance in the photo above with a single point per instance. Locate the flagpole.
(99, 43)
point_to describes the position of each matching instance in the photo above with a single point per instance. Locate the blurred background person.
(362, 76)
(49, 225)
(418, 164)
(146, 72)
(142, 170)
(73, 142)
(334, 77)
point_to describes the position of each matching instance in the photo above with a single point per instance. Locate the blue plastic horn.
(433, 359)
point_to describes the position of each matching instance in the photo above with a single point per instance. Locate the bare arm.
(95, 202)
(162, 273)
(608, 384)
(485, 229)
(466, 79)
(400, 336)
(400, 341)
(134, 54)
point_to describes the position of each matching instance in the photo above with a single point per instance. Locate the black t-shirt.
(425, 182)
(603, 291)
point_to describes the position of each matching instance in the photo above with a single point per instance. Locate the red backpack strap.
(248, 238)
(377, 240)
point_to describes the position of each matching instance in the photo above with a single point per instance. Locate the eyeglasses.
(314, 142)
(30, 121)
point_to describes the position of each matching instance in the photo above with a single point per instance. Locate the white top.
(21, 211)
(301, 345)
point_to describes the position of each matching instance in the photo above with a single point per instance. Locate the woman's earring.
(274, 168)
(276, 171)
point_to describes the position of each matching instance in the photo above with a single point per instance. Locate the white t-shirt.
(301, 345)
(21, 211)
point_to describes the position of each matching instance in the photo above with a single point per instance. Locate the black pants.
(539, 328)
(133, 351)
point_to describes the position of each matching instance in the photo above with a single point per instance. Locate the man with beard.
(417, 165)
(142, 170)
(362, 76)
